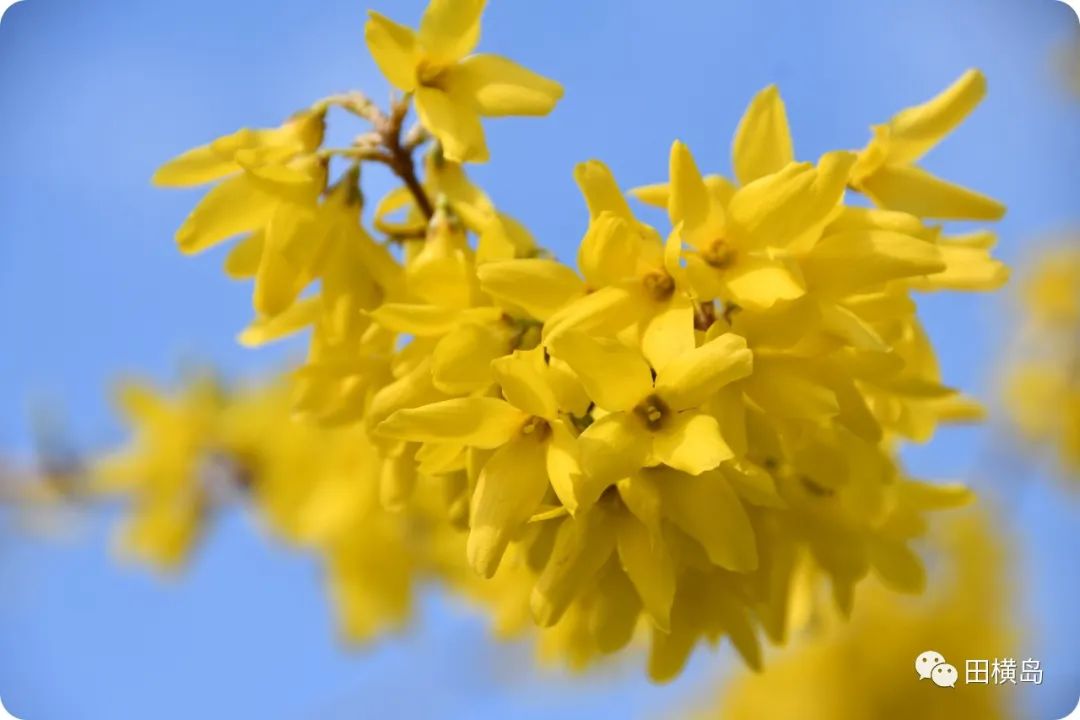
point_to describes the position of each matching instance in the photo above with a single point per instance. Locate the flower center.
(428, 74)
(536, 427)
(652, 411)
(659, 285)
(720, 254)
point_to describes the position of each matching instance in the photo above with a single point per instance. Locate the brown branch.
(388, 128)
(401, 158)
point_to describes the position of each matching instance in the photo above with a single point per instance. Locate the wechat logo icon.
(931, 665)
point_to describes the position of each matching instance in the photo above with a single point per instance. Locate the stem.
(401, 159)
(398, 156)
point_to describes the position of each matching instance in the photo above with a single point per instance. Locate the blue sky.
(96, 95)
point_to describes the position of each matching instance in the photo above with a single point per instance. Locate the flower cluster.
(654, 440)
(1044, 387)
(865, 667)
(204, 449)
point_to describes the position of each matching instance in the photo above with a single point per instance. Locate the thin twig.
(401, 161)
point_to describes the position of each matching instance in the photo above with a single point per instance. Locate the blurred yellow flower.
(865, 667)
(1044, 381)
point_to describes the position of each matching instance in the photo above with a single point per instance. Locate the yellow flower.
(651, 420)
(533, 444)
(1043, 389)
(631, 278)
(742, 251)
(886, 173)
(453, 89)
(865, 667)
(263, 151)
(270, 189)
(161, 471)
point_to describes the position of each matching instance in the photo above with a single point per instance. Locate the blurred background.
(96, 95)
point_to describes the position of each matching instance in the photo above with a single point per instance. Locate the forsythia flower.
(658, 446)
(172, 446)
(864, 668)
(271, 183)
(885, 169)
(453, 91)
(195, 453)
(1044, 387)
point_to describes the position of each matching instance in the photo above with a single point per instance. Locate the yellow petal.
(609, 251)
(277, 284)
(268, 329)
(450, 29)
(728, 406)
(612, 448)
(454, 122)
(691, 442)
(758, 283)
(615, 376)
(790, 208)
(690, 379)
(689, 200)
(538, 286)
(707, 509)
(393, 47)
(753, 484)
(283, 270)
(510, 489)
(913, 190)
(392, 202)
(524, 380)
(440, 458)
(650, 568)
(640, 493)
(601, 191)
(502, 238)
(670, 333)
(657, 194)
(582, 546)
(419, 320)
(573, 488)
(762, 142)
(397, 477)
(195, 167)
(502, 87)
(898, 566)
(273, 164)
(242, 262)
(609, 309)
(567, 388)
(783, 388)
(218, 158)
(476, 421)
(237, 205)
(615, 609)
(690, 203)
(843, 263)
(669, 651)
(461, 362)
(915, 130)
(966, 268)
(925, 496)
(412, 389)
